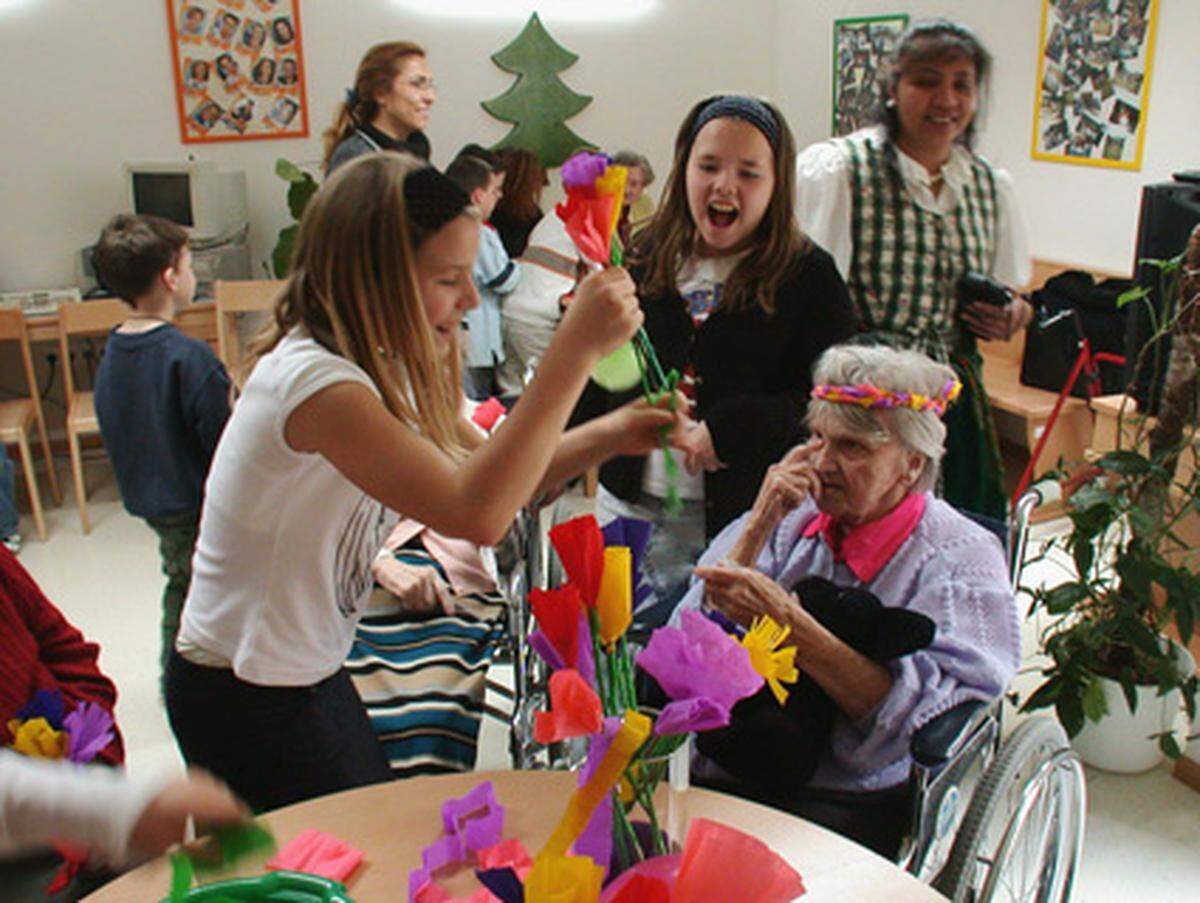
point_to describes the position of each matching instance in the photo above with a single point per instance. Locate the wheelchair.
(990, 820)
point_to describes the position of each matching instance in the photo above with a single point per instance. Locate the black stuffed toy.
(773, 750)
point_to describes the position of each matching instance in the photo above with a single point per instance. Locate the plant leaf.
(1095, 706)
(1170, 749)
(1044, 696)
(1064, 597)
(1137, 293)
(288, 171)
(1125, 462)
(1130, 690)
(299, 194)
(281, 257)
(1070, 713)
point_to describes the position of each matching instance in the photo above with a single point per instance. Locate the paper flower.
(36, 738)
(688, 716)
(89, 730)
(723, 863)
(558, 613)
(698, 660)
(580, 547)
(509, 854)
(564, 879)
(635, 534)
(583, 169)
(471, 823)
(48, 704)
(596, 840)
(575, 709)
(317, 853)
(639, 889)
(614, 602)
(777, 666)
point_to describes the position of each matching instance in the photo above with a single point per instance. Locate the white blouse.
(824, 207)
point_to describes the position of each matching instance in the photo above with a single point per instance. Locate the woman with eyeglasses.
(388, 107)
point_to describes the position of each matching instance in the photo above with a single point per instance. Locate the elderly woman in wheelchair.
(898, 606)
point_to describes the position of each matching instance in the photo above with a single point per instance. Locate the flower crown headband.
(866, 395)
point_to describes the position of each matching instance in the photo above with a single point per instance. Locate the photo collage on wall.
(860, 50)
(1094, 81)
(239, 69)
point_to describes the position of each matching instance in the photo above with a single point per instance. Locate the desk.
(391, 822)
(198, 320)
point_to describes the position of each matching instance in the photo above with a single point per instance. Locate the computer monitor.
(1170, 210)
(209, 203)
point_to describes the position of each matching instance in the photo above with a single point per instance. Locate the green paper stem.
(182, 875)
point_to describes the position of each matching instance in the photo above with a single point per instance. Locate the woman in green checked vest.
(906, 208)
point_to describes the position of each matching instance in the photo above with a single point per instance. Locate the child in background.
(476, 171)
(162, 398)
(351, 414)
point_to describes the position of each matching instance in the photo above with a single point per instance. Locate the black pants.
(273, 745)
(876, 820)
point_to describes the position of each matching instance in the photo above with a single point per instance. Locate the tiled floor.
(1143, 840)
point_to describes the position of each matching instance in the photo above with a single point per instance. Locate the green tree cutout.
(538, 102)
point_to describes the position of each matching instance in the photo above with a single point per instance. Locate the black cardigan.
(753, 374)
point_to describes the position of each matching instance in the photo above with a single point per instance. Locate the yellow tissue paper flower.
(777, 666)
(612, 184)
(614, 601)
(564, 879)
(35, 737)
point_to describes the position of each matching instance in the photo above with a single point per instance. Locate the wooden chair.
(82, 318)
(233, 299)
(19, 414)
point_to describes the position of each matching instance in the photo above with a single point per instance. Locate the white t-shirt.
(282, 569)
(700, 281)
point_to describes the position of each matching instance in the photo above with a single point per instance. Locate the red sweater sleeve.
(44, 651)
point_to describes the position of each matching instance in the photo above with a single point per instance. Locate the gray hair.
(922, 432)
(633, 158)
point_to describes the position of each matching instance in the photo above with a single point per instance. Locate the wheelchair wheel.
(1022, 836)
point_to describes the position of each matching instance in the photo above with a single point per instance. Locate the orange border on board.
(187, 138)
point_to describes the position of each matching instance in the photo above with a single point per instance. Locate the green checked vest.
(907, 260)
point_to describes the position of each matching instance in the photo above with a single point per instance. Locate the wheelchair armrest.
(937, 742)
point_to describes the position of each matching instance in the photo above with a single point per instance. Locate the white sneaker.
(13, 543)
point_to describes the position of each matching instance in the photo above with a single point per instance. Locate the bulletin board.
(861, 47)
(239, 69)
(1093, 81)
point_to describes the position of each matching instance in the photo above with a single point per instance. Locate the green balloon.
(618, 371)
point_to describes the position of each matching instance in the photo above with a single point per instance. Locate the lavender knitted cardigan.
(949, 569)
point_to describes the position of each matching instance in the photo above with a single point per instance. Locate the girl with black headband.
(350, 414)
(741, 304)
(906, 207)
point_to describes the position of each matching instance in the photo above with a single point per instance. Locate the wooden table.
(198, 320)
(392, 822)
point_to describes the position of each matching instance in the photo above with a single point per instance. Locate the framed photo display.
(239, 69)
(860, 49)
(1093, 82)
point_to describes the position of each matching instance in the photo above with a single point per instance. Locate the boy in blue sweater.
(477, 172)
(162, 398)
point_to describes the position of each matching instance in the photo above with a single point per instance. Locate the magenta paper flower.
(583, 169)
(89, 730)
(702, 669)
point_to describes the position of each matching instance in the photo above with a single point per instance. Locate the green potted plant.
(301, 187)
(1134, 578)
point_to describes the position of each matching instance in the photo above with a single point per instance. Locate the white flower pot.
(1122, 741)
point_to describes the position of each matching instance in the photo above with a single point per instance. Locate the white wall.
(1078, 214)
(85, 86)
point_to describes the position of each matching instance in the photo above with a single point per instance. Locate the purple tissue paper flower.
(634, 533)
(596, 840)
(698, 659)
(691, 715)
(583, 169)
(89, 730)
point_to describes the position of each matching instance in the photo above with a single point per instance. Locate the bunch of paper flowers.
(45, 729)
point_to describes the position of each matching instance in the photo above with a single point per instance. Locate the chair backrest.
(85, 318)
(235, 298)
(13, 328)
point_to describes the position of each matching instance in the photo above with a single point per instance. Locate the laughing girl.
(739, 302)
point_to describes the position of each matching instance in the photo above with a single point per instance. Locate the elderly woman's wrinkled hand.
(787, 484)
(743, 593)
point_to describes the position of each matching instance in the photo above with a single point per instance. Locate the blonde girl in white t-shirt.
(349, 416)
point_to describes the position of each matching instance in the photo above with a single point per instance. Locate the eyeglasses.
(422, 83)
